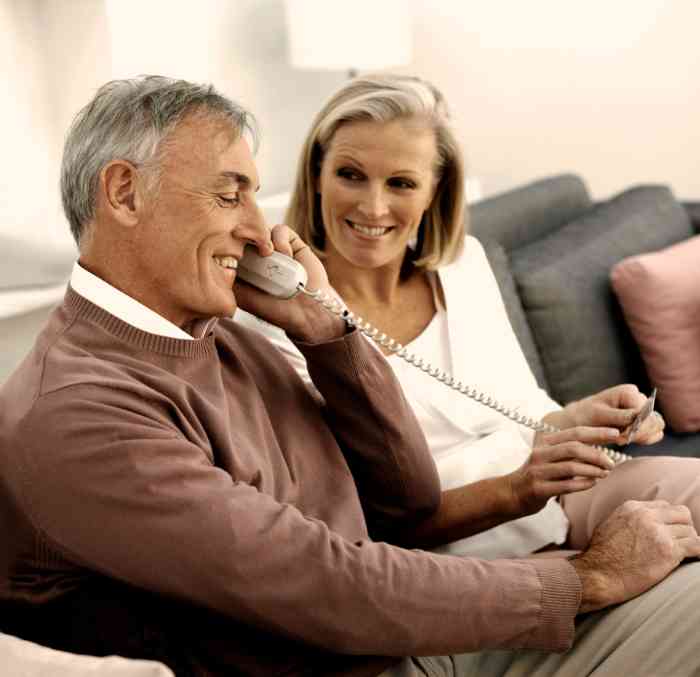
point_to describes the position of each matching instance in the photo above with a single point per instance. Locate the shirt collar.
(122, 306)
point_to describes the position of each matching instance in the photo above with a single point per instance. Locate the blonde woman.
(379, 197)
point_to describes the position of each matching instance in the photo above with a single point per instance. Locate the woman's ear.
(121, 192)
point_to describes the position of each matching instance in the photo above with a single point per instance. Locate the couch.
(524, 232)
(552, 249)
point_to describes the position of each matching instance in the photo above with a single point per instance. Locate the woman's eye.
(401, 183)
(229, 201)
(349, 174)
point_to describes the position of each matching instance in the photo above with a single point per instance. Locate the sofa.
(552, 249)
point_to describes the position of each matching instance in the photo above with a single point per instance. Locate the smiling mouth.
(226, 262)
(370, 231)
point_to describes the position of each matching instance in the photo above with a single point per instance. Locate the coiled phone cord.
(336, 308)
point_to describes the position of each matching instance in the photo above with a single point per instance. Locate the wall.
(610, 90)
(59, 51)
(27, 135)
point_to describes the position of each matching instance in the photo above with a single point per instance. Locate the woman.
(379, 195)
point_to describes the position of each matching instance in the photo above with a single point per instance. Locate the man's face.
(204, 213)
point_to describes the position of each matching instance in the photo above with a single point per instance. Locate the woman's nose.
(373, 204)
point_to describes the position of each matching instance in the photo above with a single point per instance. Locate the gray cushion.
(583, 341)
(524, 214)
(500, 264)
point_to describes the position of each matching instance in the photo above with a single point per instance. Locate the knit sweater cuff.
(560, 602)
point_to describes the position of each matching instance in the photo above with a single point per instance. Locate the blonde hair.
(384, 98)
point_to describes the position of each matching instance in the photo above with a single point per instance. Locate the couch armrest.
(20, 658)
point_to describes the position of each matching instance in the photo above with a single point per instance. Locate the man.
(170, 490)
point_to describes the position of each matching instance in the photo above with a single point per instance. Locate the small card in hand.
(645, 411)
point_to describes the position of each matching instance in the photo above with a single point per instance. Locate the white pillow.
(20, 658)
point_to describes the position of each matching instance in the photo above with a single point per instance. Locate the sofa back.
(552, 259)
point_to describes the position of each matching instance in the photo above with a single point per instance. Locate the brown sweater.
(201, 476)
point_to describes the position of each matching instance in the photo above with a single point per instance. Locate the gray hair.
(128, 120)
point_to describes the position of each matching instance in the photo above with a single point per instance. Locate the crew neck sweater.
(204, 473)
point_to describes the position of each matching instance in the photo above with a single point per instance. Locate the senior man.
(170, 490)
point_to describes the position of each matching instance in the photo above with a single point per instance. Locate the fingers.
(650, 432)
(281, 239)
(571, 469)
(576, 444)
(689, 547)
(592, 435)
(627, 396)
(616, 406)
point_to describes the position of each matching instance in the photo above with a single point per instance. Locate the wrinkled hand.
(301, 317)
(560, 463)
(635, 548)
(614, 407)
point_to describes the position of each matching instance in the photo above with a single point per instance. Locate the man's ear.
(122, 192)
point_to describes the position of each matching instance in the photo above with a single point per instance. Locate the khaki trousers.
(654, 635)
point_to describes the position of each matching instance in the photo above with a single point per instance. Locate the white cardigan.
(485, 354)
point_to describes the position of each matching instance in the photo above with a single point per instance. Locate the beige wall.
(609, 89)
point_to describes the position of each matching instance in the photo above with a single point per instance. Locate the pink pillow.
(660, 298)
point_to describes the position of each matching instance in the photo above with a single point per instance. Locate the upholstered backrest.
(515, 218)
(564, 286)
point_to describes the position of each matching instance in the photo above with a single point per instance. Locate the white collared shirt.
(121, 305)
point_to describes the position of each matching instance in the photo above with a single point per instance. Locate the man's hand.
(561, 463)
(614, 407)
(635, 548)
(301, 317)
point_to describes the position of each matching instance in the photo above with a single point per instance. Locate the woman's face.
(376, 181)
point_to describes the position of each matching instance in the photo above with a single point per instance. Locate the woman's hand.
(301, 317)
(613, 407)
(562, 463)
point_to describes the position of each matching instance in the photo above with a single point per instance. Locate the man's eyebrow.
(243, 180)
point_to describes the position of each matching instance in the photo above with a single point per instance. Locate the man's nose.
(253, 227)
(374, 203)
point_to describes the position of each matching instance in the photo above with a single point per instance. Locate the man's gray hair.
(128, 120)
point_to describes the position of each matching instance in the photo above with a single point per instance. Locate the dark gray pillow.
(524, 214)
(500, 264)
(578, 327)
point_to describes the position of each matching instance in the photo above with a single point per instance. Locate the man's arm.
(377, 430)
(150, 509)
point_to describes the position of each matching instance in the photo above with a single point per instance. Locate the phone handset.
(283, 277)
(278, 275)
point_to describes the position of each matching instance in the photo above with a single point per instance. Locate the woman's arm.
(463, 512)
(563, 463)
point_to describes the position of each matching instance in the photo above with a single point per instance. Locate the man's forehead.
(218, 150)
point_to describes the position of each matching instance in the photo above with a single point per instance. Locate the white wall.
(608, 89)
(58, 52)
(28, 178)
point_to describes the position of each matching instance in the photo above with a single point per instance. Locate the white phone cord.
(334, 306)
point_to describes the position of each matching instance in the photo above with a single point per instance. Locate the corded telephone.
(283, 277)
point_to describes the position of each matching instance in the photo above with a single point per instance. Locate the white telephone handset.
(283, 277)
(277, 274)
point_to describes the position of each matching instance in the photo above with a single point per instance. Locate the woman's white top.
(473, 340)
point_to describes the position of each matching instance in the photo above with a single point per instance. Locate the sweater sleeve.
(122, 495)
(377, 430)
